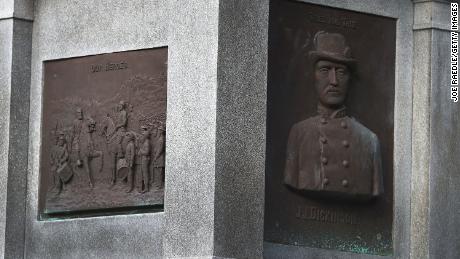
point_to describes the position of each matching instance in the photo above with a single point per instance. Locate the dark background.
(292, 98)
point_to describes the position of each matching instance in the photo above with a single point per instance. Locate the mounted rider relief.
(103, 133)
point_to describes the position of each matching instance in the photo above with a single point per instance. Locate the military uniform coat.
(130, 154)
(159, 151)
(334, 153)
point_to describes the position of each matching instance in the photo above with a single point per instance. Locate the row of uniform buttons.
(344, 182)
(345, 163)
(343, 124)
(345, 143)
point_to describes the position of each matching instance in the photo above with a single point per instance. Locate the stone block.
(64, 29)
(241, 129)
(6, 46)
(191, 124)
(20, 9)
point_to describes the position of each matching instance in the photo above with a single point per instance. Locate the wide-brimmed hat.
(61, 135)
(332, 47)
(90, 122)
(129, 136)
(122, 104)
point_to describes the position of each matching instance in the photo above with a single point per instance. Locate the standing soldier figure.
(120, 129)
(130, 156)
(159, 157)
(77, 127)
(153, 136)
(59, 164)
(90, 152)
(144, 155)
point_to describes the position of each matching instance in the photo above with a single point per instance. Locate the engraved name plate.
(103, 133)
(329, 166)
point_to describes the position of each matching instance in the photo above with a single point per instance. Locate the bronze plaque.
(103, 133)
(329, 167)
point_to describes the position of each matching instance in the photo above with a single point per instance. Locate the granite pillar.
(436, 138)
(15, 53)
(215, 164)
(241, 129)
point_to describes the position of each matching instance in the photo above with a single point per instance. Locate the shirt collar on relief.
(330, 113)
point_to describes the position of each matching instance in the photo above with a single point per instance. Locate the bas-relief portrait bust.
(332, 154)
(330, 129)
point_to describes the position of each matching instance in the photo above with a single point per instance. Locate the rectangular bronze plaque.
(329, 167)
(103, 133)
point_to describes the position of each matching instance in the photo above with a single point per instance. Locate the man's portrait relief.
(329, 164)
(332, 153)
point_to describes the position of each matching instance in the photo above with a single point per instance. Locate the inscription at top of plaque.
(103, 132)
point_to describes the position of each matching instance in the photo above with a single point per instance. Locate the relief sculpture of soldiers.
(333, 154)
(103, 132)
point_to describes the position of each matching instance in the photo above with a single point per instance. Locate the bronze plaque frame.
(295, 218)
(103, 134)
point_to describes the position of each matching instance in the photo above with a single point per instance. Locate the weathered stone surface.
(6, 8)
(77, 28)
(445, 156)
(191, 124)
(421, 146)
(216, 194)
(6, 45)
(436, 134)
(241, 127)
(22, 9)
(19, 139)
(15, 53)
